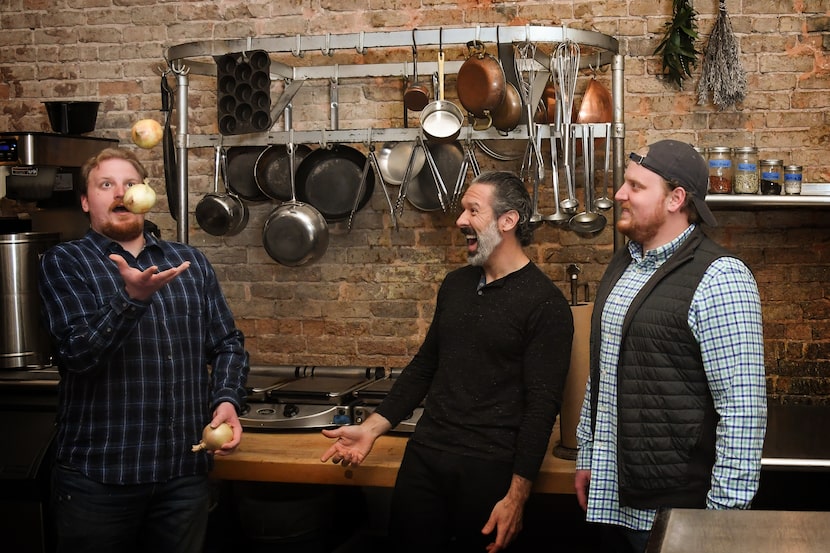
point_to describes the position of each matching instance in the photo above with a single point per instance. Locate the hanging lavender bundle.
(722, 73)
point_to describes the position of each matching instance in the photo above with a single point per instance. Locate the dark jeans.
(442, 501)
(91, 517)
(617, 539)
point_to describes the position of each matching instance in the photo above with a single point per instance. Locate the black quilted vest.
(666, 418)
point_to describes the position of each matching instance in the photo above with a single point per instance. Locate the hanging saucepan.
(221, 214)
(596, 107)
(416, 95)
(546, 111)
(329, 179)
(241, 161)
(441, 120)
(295, 233)
(423, 188)
(481, 83)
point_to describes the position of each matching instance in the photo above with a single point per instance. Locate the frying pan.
(240, 176)
(271, 170)
(329, 179)
(272, 173)
(393, 158)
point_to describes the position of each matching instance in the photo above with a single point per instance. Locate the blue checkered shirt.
(138, 379)
(725, 318)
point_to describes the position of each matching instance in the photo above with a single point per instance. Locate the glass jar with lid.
(792, 179)
(720, 170)
(771, 170)
(745, 180)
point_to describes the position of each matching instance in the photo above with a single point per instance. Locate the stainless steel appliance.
(44, 166)
(307, 397)
(370, 397)
(24, 343)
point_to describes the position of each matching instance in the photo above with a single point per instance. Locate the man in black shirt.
(491, 371)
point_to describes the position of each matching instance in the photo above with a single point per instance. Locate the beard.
(123, 231)
(641, 228)
(486, 241)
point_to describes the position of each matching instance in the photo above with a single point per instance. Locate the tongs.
(372, 162)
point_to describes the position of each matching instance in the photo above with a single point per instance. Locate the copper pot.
(508, 114)
(481, 83)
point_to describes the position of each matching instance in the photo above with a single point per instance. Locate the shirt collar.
(658, 256)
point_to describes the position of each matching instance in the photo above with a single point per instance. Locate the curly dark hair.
(510, 193)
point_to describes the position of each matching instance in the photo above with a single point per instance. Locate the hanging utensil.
(566, 58)
(588, 222)
(604, 202)
(558, 217)
(295, 233)
(416, 96)
(169, 148)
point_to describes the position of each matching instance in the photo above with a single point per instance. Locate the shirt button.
(480, 293)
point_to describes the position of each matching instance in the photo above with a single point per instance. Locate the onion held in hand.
(139, 198)
(146, 133)
(214, 438)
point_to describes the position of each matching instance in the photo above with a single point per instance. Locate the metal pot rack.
(315, 55)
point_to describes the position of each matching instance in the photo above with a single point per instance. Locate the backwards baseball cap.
(679, 163)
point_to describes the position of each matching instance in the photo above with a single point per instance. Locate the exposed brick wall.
(370, 299)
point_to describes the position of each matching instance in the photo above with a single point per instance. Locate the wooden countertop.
(294, 456)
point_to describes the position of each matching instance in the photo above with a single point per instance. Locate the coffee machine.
(44, 169)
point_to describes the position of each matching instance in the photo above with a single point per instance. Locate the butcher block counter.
(294, 456)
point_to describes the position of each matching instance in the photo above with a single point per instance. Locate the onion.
(140, 198)
(214, 438)
(146, 133)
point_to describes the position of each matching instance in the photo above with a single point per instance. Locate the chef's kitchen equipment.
(24, 342)
(45, 167)
(416, 95)
(739, 531)
(577, 378)
(72, 117)
(272, 164)
(295, 233)
(369, 397)
(481, 83)
(318, 397)
(221, 214)
(441, 120)
(243, 92)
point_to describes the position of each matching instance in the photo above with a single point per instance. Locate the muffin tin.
(243, 92)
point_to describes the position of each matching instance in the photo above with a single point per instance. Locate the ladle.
(588, 221)
(604, 202)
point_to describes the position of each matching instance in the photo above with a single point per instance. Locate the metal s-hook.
(361, 49)
(327, 49)
(297, 51)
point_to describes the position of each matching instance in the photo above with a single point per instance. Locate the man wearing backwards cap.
(675, 408)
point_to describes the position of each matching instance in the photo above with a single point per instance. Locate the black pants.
(442, 501)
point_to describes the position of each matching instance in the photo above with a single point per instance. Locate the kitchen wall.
(369, 300)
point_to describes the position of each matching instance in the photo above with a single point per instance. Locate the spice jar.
(746, 171)
(720, 170)
(771, 176)
(792, 179)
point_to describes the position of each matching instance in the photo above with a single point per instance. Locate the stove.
(371, 396)
(304, 397)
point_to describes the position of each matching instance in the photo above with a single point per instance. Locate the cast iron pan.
(272, 172)
(241, 178)
(329, 179)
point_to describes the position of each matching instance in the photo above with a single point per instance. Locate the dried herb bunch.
(678, 44)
